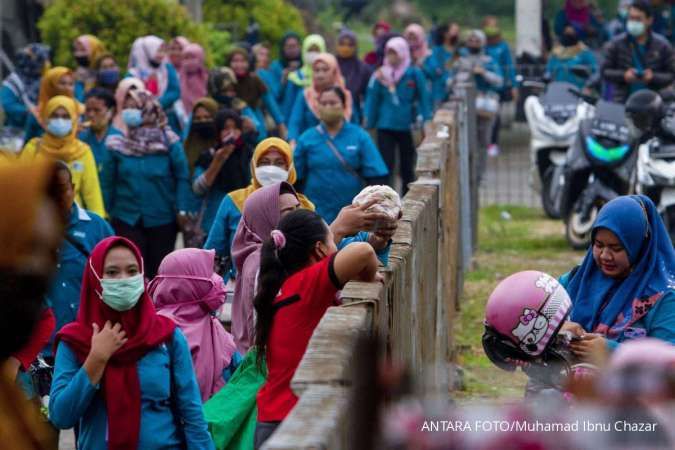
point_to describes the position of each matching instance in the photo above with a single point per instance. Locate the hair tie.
(279, 239)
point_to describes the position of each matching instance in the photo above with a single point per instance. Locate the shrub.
(275, 17)
(118, 23)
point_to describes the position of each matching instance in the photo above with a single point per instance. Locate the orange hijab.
(312, 93)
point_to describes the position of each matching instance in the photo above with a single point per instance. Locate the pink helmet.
(528, 309)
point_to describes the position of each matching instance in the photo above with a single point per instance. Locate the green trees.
(119, 22)
(116, 22)
(275, 17)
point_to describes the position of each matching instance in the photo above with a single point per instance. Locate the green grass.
(511, 239)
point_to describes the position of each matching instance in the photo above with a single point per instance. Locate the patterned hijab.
(153, 136)
(312, 93)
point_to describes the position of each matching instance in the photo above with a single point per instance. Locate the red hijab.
(145, 331)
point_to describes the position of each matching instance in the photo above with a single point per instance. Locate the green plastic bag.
(231, 413)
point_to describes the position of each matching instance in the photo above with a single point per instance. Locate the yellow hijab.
(67, 148)
(22, 186)
(94, 46)
(240, 195)
(48, 85)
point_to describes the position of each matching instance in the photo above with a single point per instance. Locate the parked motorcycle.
(656, 154)
(553, 118)
(599, 166)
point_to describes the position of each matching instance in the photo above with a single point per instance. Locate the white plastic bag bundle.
(388, 201)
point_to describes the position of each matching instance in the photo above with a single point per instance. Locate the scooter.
(599, 166)
(656, 169)
(553, 118)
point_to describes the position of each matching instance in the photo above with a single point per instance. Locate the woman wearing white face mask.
(272, 162)
(60, 116)
(123, 373)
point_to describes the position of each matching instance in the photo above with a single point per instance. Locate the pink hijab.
(187, 291)
(123, 89)
(193, 75)
(421, 50)
(388, 74)
(260, 216)
(312, 93)
(142, 51)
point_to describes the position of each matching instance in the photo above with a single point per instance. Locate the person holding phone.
(224, 167)
(638, 59)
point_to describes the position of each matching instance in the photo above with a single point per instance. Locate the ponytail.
(286, 251)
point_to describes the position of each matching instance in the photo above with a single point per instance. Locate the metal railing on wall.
(413, 311)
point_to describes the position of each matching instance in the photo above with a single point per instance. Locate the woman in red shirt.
(301, 272)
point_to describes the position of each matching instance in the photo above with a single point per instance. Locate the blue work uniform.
(560, 69)
(436, 69)
(302, 118)
(97, 146)
(168, 389)
(85, 229)
(398, 110)
(16, 111)
(501, 54)
(223, 228)
(326, 181)
(151, 188)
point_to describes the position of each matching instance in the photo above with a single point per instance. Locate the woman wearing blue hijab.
(625, 287)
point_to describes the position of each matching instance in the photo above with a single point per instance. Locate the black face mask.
(155, 64)
(82, 61)
(204, 129)
(569, 40)
(22, 299)
(223, 99)
(474, 51)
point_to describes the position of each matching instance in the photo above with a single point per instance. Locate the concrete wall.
(412, 313)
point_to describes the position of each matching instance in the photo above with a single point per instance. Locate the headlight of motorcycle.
(607, 155)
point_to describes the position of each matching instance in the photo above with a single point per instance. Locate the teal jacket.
(436, 69)
(398, 111)
(151, 188)
(86, 229)
(223, 228)
(171, 406)
(271, 81)
(659, 322)
(501, 54)
(98, 146)
(16, 112)
(289, 94)
(559, 68)
(302, 118)
(324, 179)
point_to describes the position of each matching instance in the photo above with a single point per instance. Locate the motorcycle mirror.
(581, 71)
(587, 98)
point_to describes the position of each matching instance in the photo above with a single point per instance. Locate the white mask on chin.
(267, 175)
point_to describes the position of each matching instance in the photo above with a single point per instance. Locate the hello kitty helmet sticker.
(528, 308)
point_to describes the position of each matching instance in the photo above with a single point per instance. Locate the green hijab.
(303, 76)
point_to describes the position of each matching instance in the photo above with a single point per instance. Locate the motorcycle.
(553, 118)
(656, 168)
(599, 166)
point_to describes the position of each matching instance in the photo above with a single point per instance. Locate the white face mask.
(310, 57)
(267, 175)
